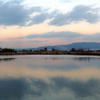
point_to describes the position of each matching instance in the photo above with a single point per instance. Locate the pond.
(49, 77)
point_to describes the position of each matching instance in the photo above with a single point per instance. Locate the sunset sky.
(34, 23)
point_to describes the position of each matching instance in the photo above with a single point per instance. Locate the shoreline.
(61, 53)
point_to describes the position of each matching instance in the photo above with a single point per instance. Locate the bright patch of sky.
(62, 5)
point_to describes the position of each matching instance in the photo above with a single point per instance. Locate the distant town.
(46, 51)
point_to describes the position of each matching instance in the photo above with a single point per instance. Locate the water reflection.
(82, 58)
(58, 88)
(50, 78)
(7, 59)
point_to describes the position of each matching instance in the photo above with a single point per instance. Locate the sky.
(34, 23)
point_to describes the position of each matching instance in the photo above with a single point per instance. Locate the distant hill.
(79, 45)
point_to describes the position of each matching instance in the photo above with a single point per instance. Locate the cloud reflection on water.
(58, 89)
(26, 79)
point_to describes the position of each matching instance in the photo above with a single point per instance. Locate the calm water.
(49, 78)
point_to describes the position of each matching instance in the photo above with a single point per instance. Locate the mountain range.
(78, 45)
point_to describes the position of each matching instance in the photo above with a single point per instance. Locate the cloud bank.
(66, 35)
(16, 13)
(79, 13)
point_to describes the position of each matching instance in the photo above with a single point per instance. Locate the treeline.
(7, 50)
(46, 51)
